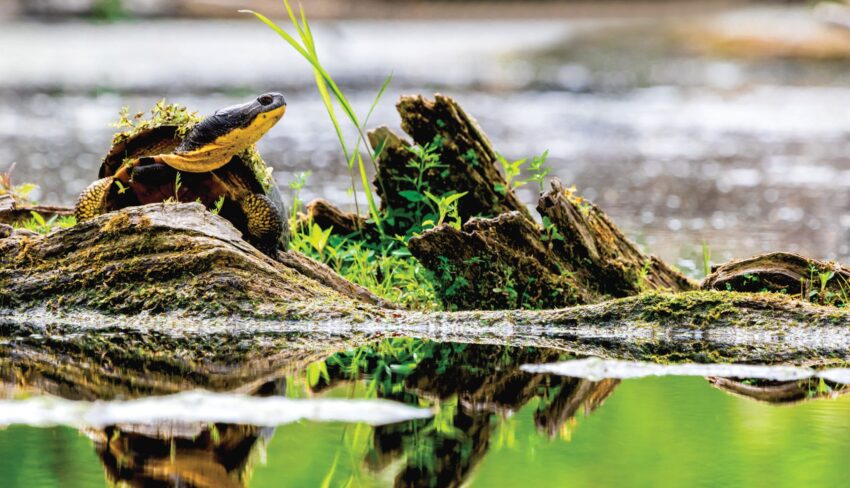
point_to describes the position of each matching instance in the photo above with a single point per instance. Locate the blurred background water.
(688, 121)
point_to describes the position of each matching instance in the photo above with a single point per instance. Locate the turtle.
(214, 164)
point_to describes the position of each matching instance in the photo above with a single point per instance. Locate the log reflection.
(472, 387)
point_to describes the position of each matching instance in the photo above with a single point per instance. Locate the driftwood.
(511, 262)
(177, 285)
(160, 258)
(784, 273)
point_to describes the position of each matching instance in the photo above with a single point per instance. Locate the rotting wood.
(782, 272)
(511, 262)
(164, 257)
(471, 163)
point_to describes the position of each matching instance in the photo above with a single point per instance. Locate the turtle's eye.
(265, 99)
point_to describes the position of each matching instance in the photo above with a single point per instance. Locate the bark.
(503, 260)
(468, 164)
(579, 257)
(779, 272)
(164, 257)
(324, 214)
(471, 163)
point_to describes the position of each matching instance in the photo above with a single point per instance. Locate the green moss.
(162, 113)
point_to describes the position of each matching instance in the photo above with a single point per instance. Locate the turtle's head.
(237, 126)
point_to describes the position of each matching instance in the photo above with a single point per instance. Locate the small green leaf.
(411, 196)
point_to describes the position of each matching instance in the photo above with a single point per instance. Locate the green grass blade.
(373, 209)
(377, 99)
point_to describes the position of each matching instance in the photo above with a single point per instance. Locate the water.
(488, 423)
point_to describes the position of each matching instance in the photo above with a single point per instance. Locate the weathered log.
(496, 264)
(780, 272)
(324, 214)
(470, 162)
(164, 257)
(177, 283)
(12, 212)
(593, 246)
(511, 262)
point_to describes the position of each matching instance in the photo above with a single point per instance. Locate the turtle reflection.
(173, 454)
(471, 387)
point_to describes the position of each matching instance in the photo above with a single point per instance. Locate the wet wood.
(579, 257)
(787, 273)
(163, 257)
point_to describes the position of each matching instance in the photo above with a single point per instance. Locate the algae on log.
(701, 326)
(165, 257)
(782, 272)
(511, 262)
(174, 284)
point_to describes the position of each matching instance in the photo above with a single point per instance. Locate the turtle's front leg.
(92, 201)
(264, 224)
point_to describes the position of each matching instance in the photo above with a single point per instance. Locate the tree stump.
(579, 257)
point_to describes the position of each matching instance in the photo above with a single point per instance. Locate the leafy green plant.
(217, 206)
(512, 169)
(446, 207)
(390, 273)
(37, 222)
(706, 259)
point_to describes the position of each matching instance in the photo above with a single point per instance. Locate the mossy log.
(780, 272)
(500, 258)
(175, 285)
(511, 262)
(471, 163)
(166, 257)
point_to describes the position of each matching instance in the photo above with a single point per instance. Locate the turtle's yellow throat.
(218, 153)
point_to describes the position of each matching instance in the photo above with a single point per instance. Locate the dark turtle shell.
(206, 188)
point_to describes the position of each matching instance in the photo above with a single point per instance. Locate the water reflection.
(474, 392)
(211, 455)
(472, 386)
